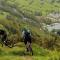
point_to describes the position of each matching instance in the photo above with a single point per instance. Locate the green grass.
(17, 53)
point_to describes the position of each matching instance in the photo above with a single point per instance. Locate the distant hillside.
(36, 7)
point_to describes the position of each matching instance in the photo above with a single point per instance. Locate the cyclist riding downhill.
(27, 40)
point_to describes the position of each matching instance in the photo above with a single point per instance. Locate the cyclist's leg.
(27, 46)
(30, 48)
(25, 42)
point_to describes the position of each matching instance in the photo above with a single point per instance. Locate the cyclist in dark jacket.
(27, 39)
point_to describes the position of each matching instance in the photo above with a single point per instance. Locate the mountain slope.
(18, 14)
(37, 7)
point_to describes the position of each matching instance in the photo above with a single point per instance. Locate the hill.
(31, 14)
(18, 14)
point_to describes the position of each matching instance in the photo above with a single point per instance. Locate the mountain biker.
(27, 39)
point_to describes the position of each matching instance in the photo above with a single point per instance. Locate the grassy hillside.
(18, 14)
(38, 7)
(17, 53)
